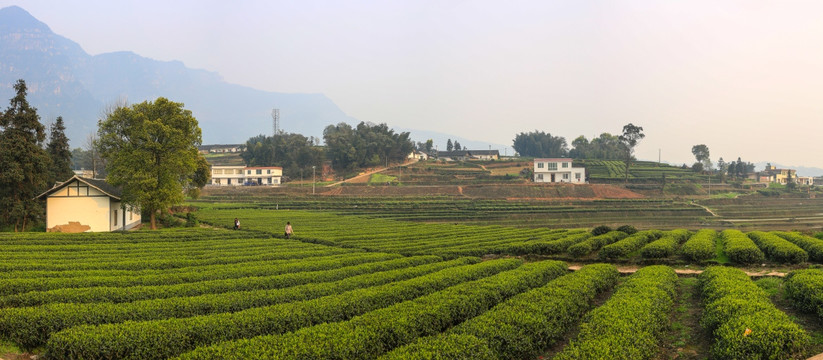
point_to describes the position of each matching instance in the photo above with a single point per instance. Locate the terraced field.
(354, 287)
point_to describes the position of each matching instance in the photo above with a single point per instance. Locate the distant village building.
(419, 155)
(236, 175)
(774, 175)
(221, 149)
(557, 170)
(82, 204)
(466, 155)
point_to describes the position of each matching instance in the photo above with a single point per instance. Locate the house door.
(552, 177)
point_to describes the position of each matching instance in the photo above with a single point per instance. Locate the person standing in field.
(236, 224)
(289, 231)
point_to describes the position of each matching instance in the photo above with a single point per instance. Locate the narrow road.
(370, 173)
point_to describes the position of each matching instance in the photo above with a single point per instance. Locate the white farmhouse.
(82, 204)
(555, 170)
(236, 175)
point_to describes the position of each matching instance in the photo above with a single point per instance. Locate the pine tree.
(23, 160)
(59, 153)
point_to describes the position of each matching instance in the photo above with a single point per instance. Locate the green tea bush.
(701, 246)
(628, 245)
(631, 323)
(600, 230)
(740, 248)
(778, 249)
(628, 229)
(813, 246)
(585, 247)
(805, 288)
(742, 319)
(665, 246)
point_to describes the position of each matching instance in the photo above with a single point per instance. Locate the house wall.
(561, 169)
(90, 212)
(132, 216)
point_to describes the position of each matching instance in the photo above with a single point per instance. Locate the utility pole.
(313, 181)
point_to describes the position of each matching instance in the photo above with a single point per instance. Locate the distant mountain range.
(64, 80)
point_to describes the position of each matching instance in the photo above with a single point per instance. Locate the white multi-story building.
(235, 175)
(558, 170)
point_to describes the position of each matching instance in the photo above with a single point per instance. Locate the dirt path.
(370, 173)
(705, 208)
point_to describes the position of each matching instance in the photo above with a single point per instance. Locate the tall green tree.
(295, 153)
(59, 153)
(449, 145)
(701, 153)
(24, 163)
(540, 144)
(365, 145)
(630, 138)
(151, 152)
(604, 147)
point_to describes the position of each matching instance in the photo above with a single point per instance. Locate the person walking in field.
(236, 224)
(289, 231)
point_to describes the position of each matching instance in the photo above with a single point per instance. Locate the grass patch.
(721, 256)
(726, 195)
(379, 178)
(770, 284)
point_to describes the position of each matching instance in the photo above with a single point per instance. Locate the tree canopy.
(630, 138)
(295, 153)
(540, 144)
(701, 153)
(604, 147)
(150, 150)
(59, 153)
(24, 163)
(365, 145)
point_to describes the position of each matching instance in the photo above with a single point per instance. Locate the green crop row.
(31, 326)
(628, 245)
(665, 246)
(630, 324)
(291, 261)
(160, 339)
(701, 246)
(742, 319)
(285, 275)
(740, 248)
(379, 331)
(813, 246)
(805, 288)
(524, 325)
(590, 244)
(778, 249)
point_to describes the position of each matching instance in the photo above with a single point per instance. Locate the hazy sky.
(743, 77)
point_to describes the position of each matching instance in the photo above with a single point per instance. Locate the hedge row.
(665, 246)
(526, 324)
(742, 319)
(701, 246)
(813, 246)
(805, 288)
(283, 275)
(379, 331)
(739, 248)
(586, 246)
(777, 248)
(558, 246)
(628, 245)
(160, 339)
(31, 326)
(630, 324)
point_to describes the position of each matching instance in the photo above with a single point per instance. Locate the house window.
(577, 176)
(238, 171)
(566, 176)
(268, 171)
(565, 165)
(540, 165)
(539, 176)
(131, 212)
(228, 181)
(259, 171)
(552, 166)
(115, 217)
(218, 171)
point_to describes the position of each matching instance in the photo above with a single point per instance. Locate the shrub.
(742, 319)
(630, 324)
(585, 247)
(666, 245)
(630, 244)
(701, 246)
(600, 230)
(628, 229)
(813, 246)
(805, 288)
(740, 248)
(777, 248)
